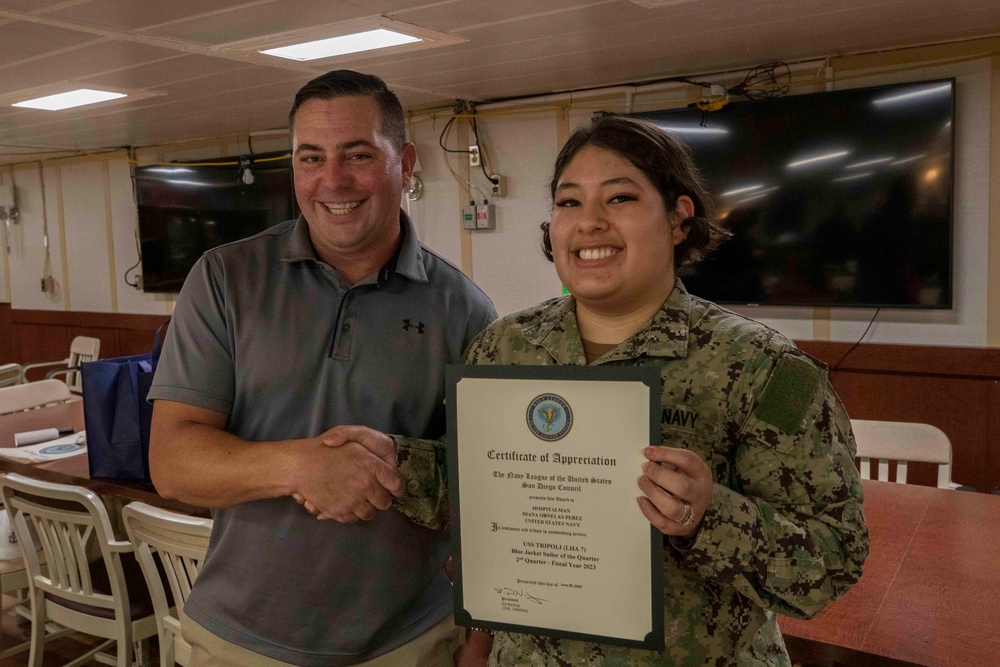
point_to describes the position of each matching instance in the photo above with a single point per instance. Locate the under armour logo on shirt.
(419, 326)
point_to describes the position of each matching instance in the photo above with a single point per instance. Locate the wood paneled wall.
(956, 389)
(45, 335)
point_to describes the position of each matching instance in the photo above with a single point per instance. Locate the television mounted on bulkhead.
(840, 198)
(188, 208)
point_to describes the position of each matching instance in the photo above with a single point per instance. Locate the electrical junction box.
(498, 185)
(486, 216)
(469, 217)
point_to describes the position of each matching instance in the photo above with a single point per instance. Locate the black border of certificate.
(648, 375)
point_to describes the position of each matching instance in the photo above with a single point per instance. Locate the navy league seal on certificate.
(542, 465)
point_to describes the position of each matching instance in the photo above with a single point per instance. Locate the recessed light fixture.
(73, 98)
(340, 40)
(653, 4)
(369, 40)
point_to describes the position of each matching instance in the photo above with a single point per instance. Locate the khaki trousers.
(434, 648)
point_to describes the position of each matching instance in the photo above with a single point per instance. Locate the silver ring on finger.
(688, 517)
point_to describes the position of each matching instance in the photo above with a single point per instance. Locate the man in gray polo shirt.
(289, 358)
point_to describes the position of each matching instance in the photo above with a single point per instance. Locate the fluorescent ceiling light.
(368, 40)
(737, 191)
(170, 170)
(757, 195)
(74, 98)
(818, 158)
(914, 94)
(652, 4)
(868, 163)
(853, 177)
(688, 129)
(907, 160)
(751, 198)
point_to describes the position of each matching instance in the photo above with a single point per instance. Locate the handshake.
(347, 474)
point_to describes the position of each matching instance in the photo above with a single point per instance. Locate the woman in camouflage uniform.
(754, 487)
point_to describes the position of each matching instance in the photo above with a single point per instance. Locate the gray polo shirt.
(265, 331)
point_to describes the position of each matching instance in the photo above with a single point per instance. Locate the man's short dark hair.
(346, 83)
(666, 162)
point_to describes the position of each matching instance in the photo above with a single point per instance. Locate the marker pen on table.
(43, 435)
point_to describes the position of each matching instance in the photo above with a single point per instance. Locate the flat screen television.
(834, 199)
(188, 208)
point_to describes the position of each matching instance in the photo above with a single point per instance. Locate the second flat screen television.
(186, 209)
(834, 199)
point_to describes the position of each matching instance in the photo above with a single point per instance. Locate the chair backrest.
(175, 544)
(81, 350)
(10, 374)
(33, 395)
(901, 442)
(67, 520)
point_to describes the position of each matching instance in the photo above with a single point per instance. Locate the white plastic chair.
(93, 598)
(10, 374)
(82, 349)
(13, 585)
(33, 395)
(180, 542)
(902, 442)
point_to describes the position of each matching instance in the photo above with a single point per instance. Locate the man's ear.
(408, 155)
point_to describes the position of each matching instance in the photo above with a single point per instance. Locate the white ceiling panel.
(137, 14)
(37, 6)
(169, 52)
(22, 41)
(262, 19)
(176, 70)
(79, 64)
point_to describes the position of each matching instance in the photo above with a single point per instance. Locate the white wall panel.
(85, 215)
(508, 262)
(27, 258)
(437, 215)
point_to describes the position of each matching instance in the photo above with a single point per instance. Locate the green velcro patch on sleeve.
(788, 393)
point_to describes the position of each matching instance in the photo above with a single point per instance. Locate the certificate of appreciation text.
(546, 532)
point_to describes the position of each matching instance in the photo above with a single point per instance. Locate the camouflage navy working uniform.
(783, 532)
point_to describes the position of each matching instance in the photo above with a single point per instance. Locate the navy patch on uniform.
(549, 417)
(788, 393)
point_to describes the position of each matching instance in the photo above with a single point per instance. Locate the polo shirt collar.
(408, 261)
(666, 335)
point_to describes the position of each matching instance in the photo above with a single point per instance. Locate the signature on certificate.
(519, 592)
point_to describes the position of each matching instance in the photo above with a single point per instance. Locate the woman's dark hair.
(346, 83)
(666, 163)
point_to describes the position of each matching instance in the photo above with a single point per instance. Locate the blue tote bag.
(117, 415)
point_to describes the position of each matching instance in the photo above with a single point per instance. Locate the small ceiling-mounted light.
(369, 40)
(68, 100)
(653, 4)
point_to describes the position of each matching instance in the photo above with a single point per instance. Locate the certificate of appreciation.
(546, 532)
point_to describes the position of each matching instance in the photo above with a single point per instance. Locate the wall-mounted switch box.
(469, 217)
(486, 216)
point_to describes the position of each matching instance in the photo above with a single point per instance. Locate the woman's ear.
(685, 207)
(682, 213)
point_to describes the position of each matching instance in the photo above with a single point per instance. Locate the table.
(74, 469)
(930, 592)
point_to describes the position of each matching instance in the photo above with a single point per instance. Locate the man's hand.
(349, 474)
